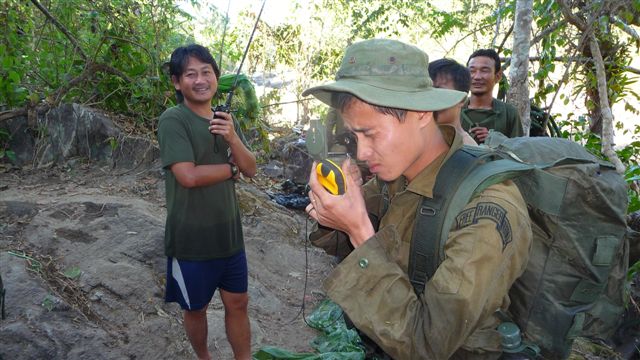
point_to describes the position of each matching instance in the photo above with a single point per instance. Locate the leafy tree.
(101, 53)
(109, 54)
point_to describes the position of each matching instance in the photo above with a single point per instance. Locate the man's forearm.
(190, 175)
(244, 159)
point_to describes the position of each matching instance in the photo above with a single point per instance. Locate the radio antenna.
(226, 107)
(244, 56)
(224, 33)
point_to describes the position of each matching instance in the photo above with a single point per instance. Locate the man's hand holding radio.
(222, 124)
(346, 212)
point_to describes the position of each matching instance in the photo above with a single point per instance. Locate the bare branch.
(506, 36)
(471, 33)
(626, 28)
(14, 113)
(548, 30)
(632, 70)
(498, 21)
(88, 72)
(60, 27)
(563, 59)
(573, 19)
(607, 115)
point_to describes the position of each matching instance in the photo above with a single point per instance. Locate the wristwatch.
(234, 170)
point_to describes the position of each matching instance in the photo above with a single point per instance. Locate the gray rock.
(82, 251)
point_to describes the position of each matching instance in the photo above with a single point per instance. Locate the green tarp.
(335, 342)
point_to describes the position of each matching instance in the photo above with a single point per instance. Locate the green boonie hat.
(387, 73)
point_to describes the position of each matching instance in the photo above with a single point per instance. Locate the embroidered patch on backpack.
(491, 211)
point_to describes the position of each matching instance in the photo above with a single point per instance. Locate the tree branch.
(572, 18)
(565, 76)
(518, 93)
(601, 76)
(626, 28)
(498, 21)
(473, 32)
(548, 30)
(504, 41)
(632, 70)
(607, 115)
(563, 59)
(134, 43)
(61, 28)
(90, 70)
(14, 113)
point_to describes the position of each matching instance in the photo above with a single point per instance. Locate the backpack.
(574, 281)
(542, 123)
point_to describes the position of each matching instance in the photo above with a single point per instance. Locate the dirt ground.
(82, 259)
(81, 256)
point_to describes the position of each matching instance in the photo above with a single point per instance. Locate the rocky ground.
(81, 249)
(81, 256)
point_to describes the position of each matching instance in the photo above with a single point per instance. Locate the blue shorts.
(193, 283)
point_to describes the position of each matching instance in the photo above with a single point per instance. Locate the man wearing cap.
(386, 98)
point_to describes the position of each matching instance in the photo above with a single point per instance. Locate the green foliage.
(633, 270)
(116, 66)
(12, 89)
(335, 342)
(122, 45)
(49, 302)
(632, 175)
(245, 107)
(5, 152)
(113, 143)
(72, 273)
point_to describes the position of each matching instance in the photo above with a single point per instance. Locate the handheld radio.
(329, 173)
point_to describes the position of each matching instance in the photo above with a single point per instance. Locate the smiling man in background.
(483, 112)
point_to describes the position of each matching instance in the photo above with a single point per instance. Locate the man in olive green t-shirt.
(482, 111)
(203, 154)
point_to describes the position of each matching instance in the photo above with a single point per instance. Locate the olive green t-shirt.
(501, 117)
(204, 222)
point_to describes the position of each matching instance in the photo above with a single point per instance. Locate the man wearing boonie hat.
(386, 98)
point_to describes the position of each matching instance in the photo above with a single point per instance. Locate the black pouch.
(2, 292)
(371, 350)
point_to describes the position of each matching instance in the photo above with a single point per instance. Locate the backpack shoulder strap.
(470, 170)
(423, 254)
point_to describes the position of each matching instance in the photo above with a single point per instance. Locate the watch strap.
(234, 170)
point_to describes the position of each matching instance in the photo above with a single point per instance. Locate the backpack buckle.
(428, 211)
